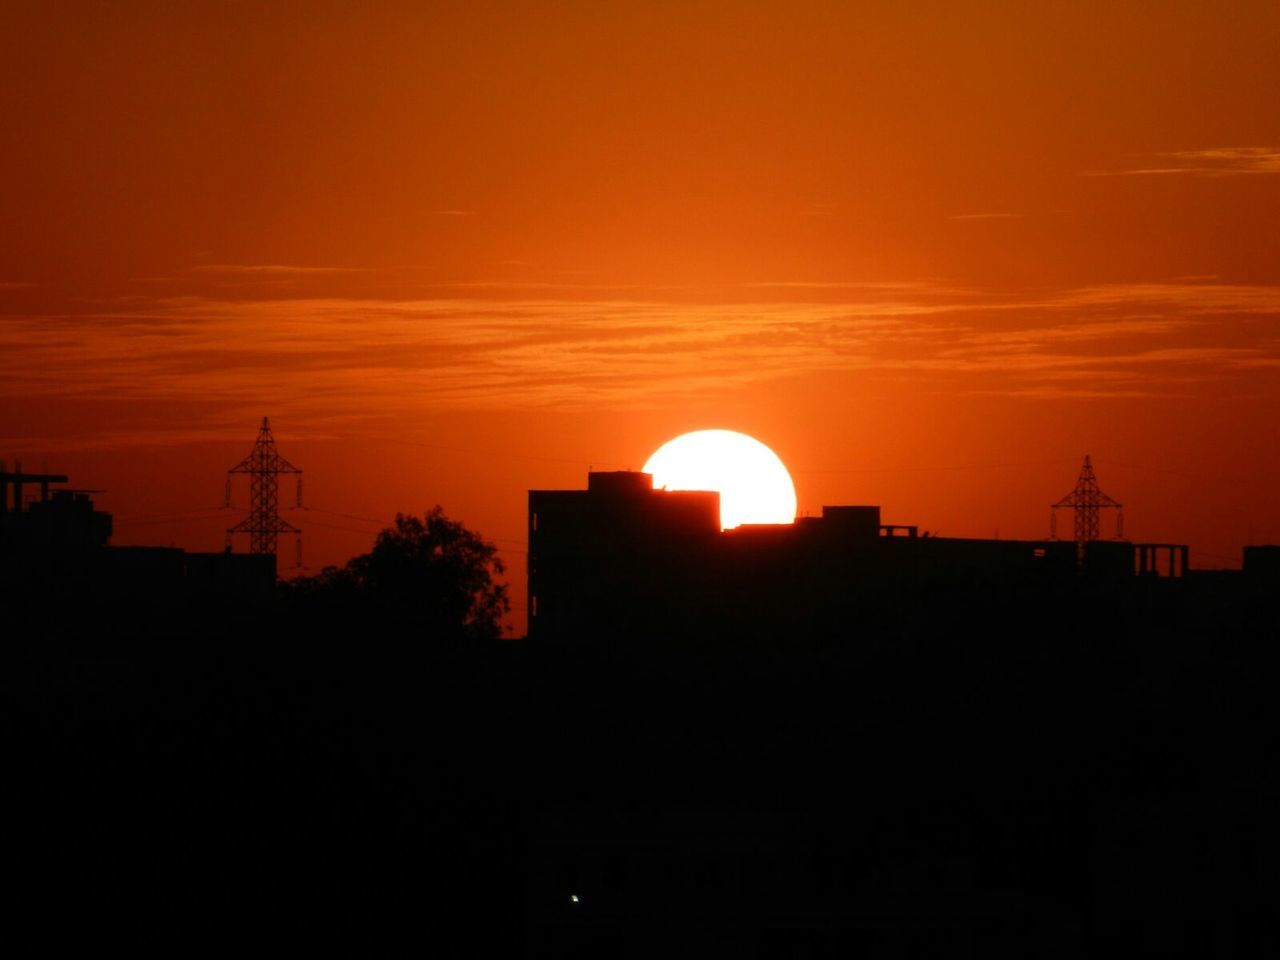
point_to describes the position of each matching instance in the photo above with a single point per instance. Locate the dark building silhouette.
(1262, 562)
(863, 741)
(623, 558)
(57, 563)
(54, 537)
(618, 554)
(867, 740)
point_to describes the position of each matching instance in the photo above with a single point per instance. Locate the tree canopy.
(426, 573)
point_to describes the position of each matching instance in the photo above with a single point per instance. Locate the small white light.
(573, 898)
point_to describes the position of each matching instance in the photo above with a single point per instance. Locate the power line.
(1198, 477)
(337, 526)
(932, 468)
(162, 517)
(348, 516)
(486, 454)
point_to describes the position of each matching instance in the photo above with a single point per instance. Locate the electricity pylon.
(1087, 500)
(264, 523)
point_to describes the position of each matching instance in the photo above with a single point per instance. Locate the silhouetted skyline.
(837, 735)
(464, 256)
(928, 254)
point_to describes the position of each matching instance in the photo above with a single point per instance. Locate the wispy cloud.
(337, 360)
(1214, 162)
(268, 270)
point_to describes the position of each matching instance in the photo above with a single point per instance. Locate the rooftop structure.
(623, 558)
(57, 563)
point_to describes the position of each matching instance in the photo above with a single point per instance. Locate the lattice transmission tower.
(1088, 501)
(264, 523)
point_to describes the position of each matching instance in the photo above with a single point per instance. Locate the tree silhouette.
(429, 574)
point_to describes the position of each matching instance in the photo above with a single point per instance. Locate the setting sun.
(753, 484)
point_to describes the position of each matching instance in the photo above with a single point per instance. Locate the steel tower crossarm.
(1088, 501)
(264, 467)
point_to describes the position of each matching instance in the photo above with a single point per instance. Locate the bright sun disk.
(753, 484)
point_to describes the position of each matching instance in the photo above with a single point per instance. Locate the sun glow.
(753, 483)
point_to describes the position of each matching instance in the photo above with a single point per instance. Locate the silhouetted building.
(623, 558)
(616, 553)
(47, 539)
(56, 561)
(1262, 562)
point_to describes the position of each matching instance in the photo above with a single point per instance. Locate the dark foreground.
(972, 776)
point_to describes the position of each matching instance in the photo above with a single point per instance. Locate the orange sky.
(930, 253)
